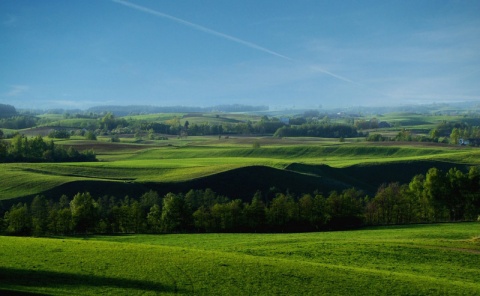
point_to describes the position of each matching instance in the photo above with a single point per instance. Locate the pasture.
(439, 259)
(181, 160)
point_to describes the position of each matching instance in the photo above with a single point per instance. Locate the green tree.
(455, 136)
(60, 221)
(455, 195)
(154, 219)
(108, 122)
(18, 220)
(84, 212)
(227, 216)
(393, 204)
(173, 213)
(435, 134)
(435, 187)
(345, 209)
(123, 216)
(472, 194)
(312, 211)
(202, 219)
(282, 211)
(89, 135)
(255, 213)
(423, 210)
(39, 212)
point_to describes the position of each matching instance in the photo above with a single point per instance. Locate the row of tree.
(23, 149)
(433, 197)
(18, 122)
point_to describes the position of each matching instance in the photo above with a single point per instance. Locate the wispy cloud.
(10, 21)
(65, 103)
(228, 37)
(17, 90)
(322, 70)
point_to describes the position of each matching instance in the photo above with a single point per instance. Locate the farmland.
(421, 260)
(134, 159)
(193, 158)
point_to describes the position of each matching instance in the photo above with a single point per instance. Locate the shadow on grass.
(12, 279)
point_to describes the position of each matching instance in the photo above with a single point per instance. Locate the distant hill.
(7, 111)
(145, 109)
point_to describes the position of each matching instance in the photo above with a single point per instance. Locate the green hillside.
(233, 169)
(437, 259)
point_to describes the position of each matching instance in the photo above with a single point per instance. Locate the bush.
(91, 136)
(59, 134)
(376, 138)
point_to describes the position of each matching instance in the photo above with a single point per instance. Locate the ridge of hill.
(242, 183)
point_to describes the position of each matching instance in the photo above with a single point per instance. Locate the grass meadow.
(439, 259)
(179, 160)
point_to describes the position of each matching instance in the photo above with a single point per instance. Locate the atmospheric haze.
(78, 54)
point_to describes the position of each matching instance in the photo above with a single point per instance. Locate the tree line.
(436, 196)
(23, 149)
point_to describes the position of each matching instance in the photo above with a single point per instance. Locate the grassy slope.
(416, 260)
(363, 165)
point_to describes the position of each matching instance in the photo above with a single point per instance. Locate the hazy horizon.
(284, 54)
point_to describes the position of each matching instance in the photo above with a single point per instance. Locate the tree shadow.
(12, 279)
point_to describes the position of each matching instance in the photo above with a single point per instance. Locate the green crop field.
(179, 160)
(439, 259)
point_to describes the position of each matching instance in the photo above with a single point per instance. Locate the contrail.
(201, 28)
(316, 68)
(225, 36)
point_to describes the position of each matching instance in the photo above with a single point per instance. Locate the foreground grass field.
(440, 259)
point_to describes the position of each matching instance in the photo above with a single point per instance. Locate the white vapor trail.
(225, 36)
(201, 28)
(318, 69)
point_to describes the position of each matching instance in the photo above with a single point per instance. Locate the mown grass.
(440, 259)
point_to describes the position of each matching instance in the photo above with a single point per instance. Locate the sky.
(284, 54)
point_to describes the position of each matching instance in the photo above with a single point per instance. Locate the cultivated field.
(140, 166)
(440, 259)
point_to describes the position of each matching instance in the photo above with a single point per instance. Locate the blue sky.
(78, 54)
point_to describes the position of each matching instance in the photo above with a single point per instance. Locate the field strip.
(383, 273)
(46, 172)
(298, 261)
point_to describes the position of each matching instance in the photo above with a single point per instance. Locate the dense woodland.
(23, 149)
(436, 196)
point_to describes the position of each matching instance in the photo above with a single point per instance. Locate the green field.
(439, 259)
(183, 160)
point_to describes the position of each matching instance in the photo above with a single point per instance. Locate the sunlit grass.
(437, 259)
(185, 159)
